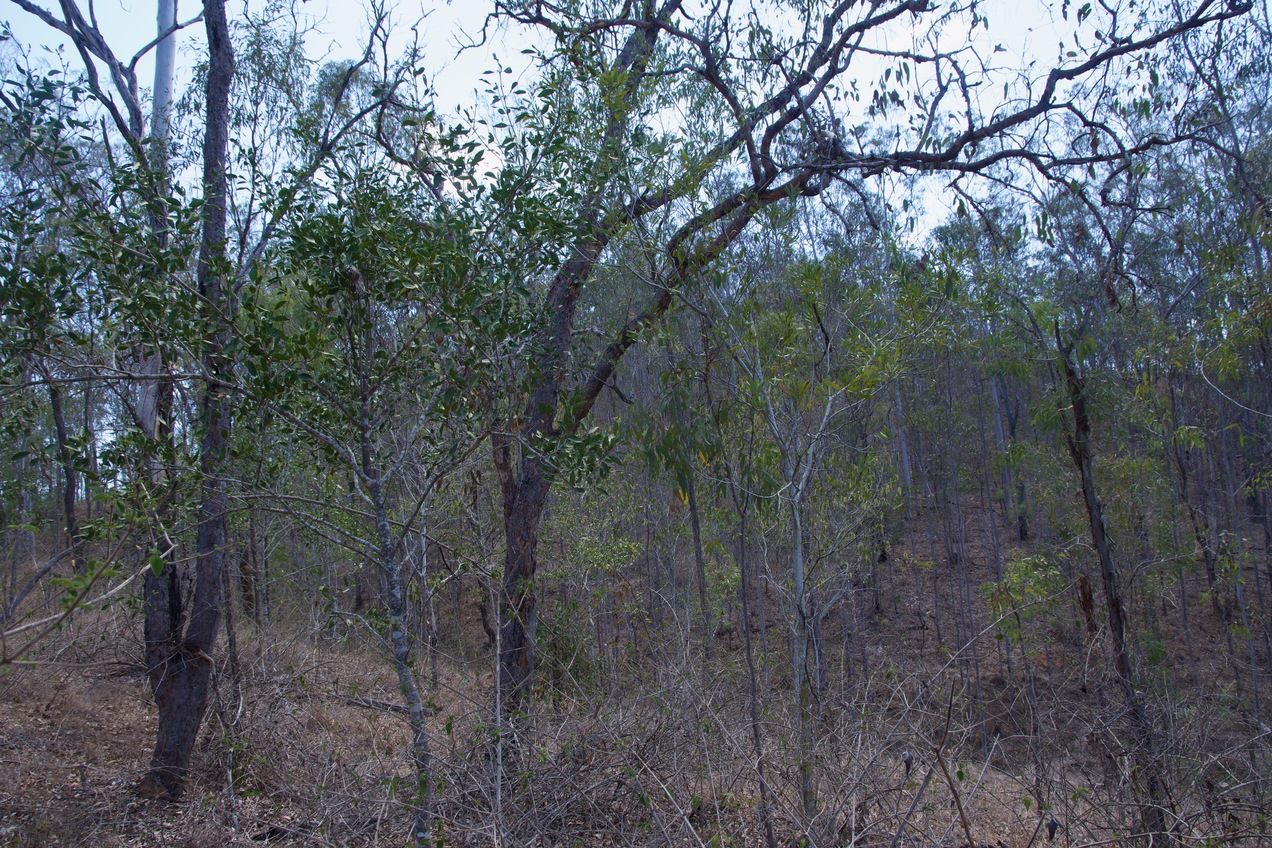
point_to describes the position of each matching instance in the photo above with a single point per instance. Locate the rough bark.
(181, 677)
(524, 500)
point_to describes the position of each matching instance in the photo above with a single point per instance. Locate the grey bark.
(401, 643)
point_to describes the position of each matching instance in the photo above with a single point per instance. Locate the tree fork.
(186, 672)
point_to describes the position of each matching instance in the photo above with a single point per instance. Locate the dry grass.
(302, 748)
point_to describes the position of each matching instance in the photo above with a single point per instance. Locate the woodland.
(745, 423)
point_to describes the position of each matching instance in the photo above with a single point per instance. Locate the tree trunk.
(803, 679)
(23, 538)
(181, 677)
(165, 64)
(993, 524)
(1154, 815)
(524, 499)
(904, 447)
(742, 505)
(400, 642)
(68, 471)
(1011, 414)
(701, 568)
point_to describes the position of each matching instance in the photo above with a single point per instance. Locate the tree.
(181, 633)
(801, 396)
(181, 680)
(370, 342)
(768, 117)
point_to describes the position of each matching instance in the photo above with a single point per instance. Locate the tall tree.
(767, 111)
(181, 693)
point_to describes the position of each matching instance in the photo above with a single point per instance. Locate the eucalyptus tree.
(794, 349)
(375, 347)
(684, 120)
(188, 310)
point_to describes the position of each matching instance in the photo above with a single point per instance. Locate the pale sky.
(129, 25)
(1027, 32)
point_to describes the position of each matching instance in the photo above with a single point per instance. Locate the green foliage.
(570, 668)
(1031, 587)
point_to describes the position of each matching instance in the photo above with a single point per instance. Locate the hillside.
(307, 744)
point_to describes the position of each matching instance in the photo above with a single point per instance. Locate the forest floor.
(74, 743)
(303, 746)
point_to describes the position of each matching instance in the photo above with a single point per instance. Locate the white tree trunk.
(165, 63)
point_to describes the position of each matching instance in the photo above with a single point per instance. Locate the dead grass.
(302, 749)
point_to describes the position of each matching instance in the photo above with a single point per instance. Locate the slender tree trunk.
(400, 640)
(742, 505)
(90, 448)
(1185, 616)
(69, 475)
(1257, 507)
(904, 448)
(1012, 416)
(999, 576)
(430, 602)
(1154, 815)
(180, 680)
(23, 538)
(761, 609)
(700, 569)
(803, 679)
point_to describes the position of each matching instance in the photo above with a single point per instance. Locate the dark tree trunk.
(182, 668)
(524, 500)
(23, 538)
(701, 568)
(1154, 815)
(68, 470)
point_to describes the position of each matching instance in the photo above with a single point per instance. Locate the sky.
(444, 27)
(1028, 32)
